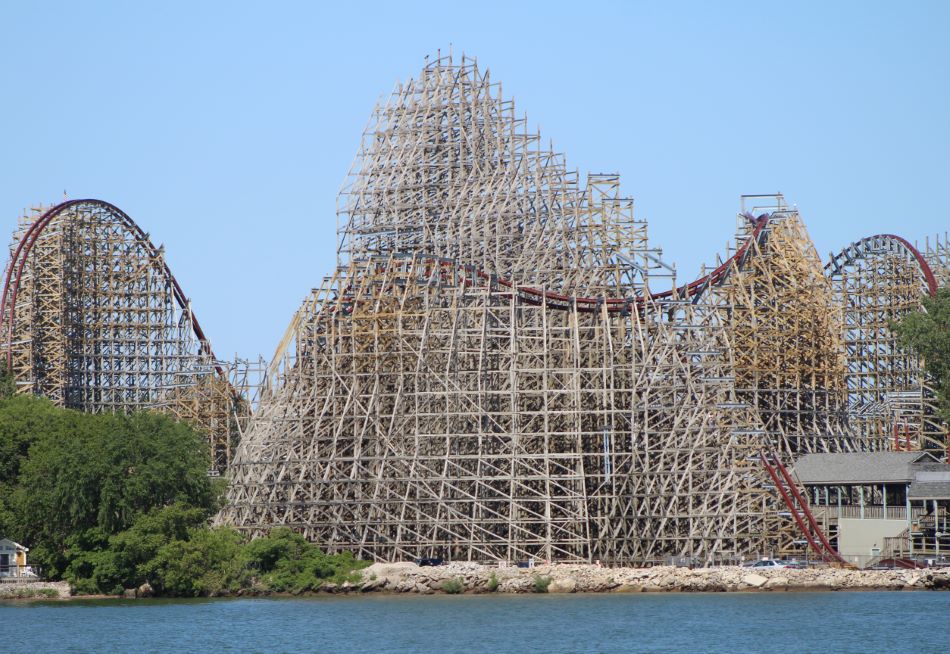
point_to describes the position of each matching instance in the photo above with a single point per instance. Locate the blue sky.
(226, 129)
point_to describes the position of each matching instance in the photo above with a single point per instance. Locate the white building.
(12, 559)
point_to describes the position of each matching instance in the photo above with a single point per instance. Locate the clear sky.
(225, 129)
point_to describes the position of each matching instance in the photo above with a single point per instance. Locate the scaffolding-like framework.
(94, 320)
(936, 253)
(785, 328)
(488, 375)
(490, 372)
(877, 280)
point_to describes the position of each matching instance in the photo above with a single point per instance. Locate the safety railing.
(20, 573)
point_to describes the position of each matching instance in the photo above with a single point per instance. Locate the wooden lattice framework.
(488, 375)
(877, 280)
(94, 320)
(936, 252)
(786, 331)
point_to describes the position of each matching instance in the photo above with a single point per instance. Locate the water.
(790, 623)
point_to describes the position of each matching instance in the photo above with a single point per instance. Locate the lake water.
(790, 623)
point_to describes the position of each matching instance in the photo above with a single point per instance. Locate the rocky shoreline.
(457, 578)
(474, 578)
(35, 590)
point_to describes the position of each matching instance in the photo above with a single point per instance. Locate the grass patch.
(453, 587)
(540, 584)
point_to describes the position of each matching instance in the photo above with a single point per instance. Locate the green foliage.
(120, 561)
(453, 586)
(540, 584)
(210, 562)
(927, 333)
(173, 550)
(110, 502)
(7, 385)
(100, 472)
(287, 562)
(22, 420)
(89, 566)
(493, 583)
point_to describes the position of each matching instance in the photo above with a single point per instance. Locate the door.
(4, 564)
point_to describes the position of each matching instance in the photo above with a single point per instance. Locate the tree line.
(110, 502)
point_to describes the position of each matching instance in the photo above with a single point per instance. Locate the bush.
(98, 564)
(453, 587)
(540, 584)
(290, 563)
(493, 583)
(211, 562)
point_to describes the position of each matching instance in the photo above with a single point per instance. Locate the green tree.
(111, 501)
(100, 564)
(927, 333)
(23, 419)
(209, 562)
(7, 385)
(101, 472)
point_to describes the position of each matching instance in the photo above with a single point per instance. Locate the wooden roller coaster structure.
(489, 372)
(94, 320)
(489, 376)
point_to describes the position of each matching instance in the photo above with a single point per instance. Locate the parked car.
(433, 561)
(768, 564)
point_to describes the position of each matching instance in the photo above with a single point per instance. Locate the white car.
(768, 564)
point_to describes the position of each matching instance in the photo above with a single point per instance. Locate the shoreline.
(477, 579)
(576, 578)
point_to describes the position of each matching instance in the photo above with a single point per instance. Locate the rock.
(373, 584)
(145, 590)
(390, 569)
(128, 593)
(562, 585)
(664, 580)
(940, 581)
(777, 582)
(754, 580)
(577, 578)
